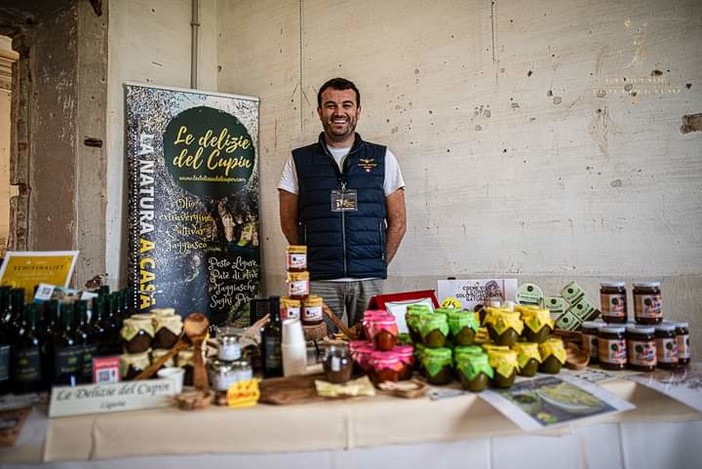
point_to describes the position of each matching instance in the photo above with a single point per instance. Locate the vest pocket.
(383, 243)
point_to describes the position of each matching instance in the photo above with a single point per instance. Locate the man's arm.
(288, 215)
(397, 221)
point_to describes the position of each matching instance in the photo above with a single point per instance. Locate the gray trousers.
(348, 300)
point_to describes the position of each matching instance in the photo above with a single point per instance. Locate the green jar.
(466, 351)
(437, 365)
(434, 330)
(463, 325)
(528, 358)
(414, 316)
(474, 371)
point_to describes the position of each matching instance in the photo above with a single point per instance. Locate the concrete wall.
(539, 140)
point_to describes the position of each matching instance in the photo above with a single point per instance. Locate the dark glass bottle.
(68, 350)
(52, 328)
(271, 339)
(6, 333)
(16, 308)
(88, 338)
(99, 326)
(112, 324)
(26, 354)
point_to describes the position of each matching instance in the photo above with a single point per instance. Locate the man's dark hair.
(339, 84)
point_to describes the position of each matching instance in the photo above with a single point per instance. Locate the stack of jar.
(229, 367)
(299, 304)
(147, 337)
(647, 343)
(381, 356)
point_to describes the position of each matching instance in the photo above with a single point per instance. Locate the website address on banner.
(211, 179)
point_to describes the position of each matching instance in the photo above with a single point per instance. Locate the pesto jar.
(504, 326)
(437, 365)
(528, 357)
(537, 324)
(434, 330)
(466, 350)
(553, 356)
(505, 364)
(474, 371)
(414, 317)
(463, 325)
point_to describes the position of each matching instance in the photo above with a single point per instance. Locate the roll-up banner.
(193, 166)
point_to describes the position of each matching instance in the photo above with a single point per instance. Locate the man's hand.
(288, 215)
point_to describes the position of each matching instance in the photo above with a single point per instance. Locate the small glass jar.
(168, 329)
(406, 355)
(290, 308)
(611, 346)
(588, 339)
(385, 366)
(466, 350)
(361, 353)
(641, 347)
(298, 284)
(474, 371)
(337, 363)
(383, 333)
(463, 326)
(505, 364)
(528, 358)
(437, 365)
(228, 347)
(296, 258)
(504, 326)
(537, 324)
(312, 310)
(647, 303)
(434, 331)
(224, 375)
(553, 355)
(414, 317)
(157, 353)
(131, 364)
(613, 302)
(682, 336)
(666, 346)
(137, 334)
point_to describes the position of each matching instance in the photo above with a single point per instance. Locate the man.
(344, 198)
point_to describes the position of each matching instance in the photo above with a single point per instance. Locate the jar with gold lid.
(131, 364)
(137, 334)
(168, 330)
(157, 353)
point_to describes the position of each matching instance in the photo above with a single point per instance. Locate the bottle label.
(642, 353)
(612, 351)
(589, 343)
(667, 350)
(68, 363)
(613, 304)
(683, 346)
(648, 306)
(4, 363)
(89, 351)
(273, 355)
(27, 365)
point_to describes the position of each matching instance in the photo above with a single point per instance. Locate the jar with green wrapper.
(437, 365)
(434, 331)
(474, 371)
(463, 325)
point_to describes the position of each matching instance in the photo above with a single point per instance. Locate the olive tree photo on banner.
(192, 158)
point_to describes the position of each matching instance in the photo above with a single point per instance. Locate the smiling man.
(344, 198)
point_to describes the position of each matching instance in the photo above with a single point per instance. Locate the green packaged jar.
(437, 365)
(474, 371)
(414, 317)
(463, 325)
(434, 330)
(505, 364)
(466, 350)
(553, 356)
(528, 357)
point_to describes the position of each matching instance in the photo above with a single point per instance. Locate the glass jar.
(588, 339)
(406, 355)
(414, 317)
(553, 355)
(666, 346)
(298, 284)
(641, 347)
(474, 371)
(528, 357)
(228, 347)
(437, 365)
(463, 326)
(157, 353)
(223, 374)
(312, 313)
(131, 364)
(168, 329)
(361, 355)
(647, 303)
(434, 331)
(537, 324)
(290, 308)
(613, 302)
(137, 334)
(383, 333)
(505, 364)
(296, 258)
(611, 347)
(384, 366)
(504, 326)
(682, 337)
(466, 350)
(337, 363)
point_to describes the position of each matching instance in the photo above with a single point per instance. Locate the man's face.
(339, 114)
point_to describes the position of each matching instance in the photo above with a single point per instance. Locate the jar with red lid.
(613, 302)
(641, 347)
(385, 366)
(588, 339)
(406, 355)
(611, 346)
(383, 332)
(666, 346)
(647, 303)
(682, 335)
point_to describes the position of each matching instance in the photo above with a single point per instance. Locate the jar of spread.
(137, 334)
(537, 324)
(383, 333)
(613, 302)
(611, 347)
(224, 375)
(157, 353)
(228, 347)
(289, 308)
(168, 329)
(647, 303)
(186, 360)
(312, 310)
(528, 357)
(131, 364)
(588, 339)
(553, 355)
(414, 317)
(504, 326)
(384, 366)
(434, 331)
(666, 346)
(474, 371)
(437, 365)
(641, 347)
(419, 349)
(361, 353)
(296, 258)
(337, 363)
(298, 284)
(682, 336)
(465, 350)
(505, 364)
(463, 326)
(406, 355)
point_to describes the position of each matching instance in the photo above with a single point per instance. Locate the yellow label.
(28, 269)
(451, 302)
(243, 393)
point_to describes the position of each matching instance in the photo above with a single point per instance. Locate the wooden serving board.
(290, 390)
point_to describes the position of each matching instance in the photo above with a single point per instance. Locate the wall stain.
(691, 123)
(599, 128)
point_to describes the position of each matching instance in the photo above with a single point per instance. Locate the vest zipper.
(343, 235)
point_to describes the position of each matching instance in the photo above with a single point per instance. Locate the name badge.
(344, 201)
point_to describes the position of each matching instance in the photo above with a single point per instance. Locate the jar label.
(589, 344)
(642, 352)
(312, 313)
(297, 262)
(612, 351)
(667, 350)
(683, 341)
(299, 288)
(648, 306)
(613, 304)
(289, 312)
